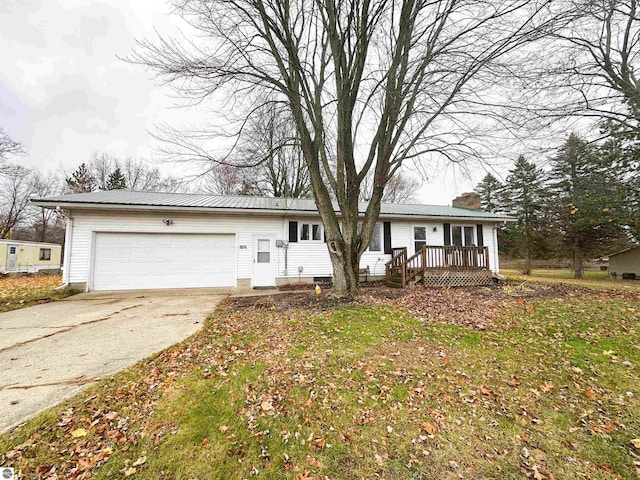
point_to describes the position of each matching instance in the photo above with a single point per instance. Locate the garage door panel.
(124, 261)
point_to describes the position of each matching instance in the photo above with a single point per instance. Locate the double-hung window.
(375, 244)
(419, 238)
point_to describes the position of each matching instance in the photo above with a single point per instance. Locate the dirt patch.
(285, 301)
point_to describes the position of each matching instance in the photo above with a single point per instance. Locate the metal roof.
(621, 251)
(175, 201)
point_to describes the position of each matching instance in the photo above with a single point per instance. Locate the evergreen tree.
(490, 190)
(523, 197)
(81, 181)
(620, 154)
(116, 180)
(586, 211)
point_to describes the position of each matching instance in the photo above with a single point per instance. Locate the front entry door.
(263, 262)
(12, 258)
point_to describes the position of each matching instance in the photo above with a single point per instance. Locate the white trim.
(66, 261)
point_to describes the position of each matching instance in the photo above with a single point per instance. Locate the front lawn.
(592, 278)
(510, 382)
(20, 292)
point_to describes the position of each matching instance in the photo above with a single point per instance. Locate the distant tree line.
(585, 204)
(279, 172)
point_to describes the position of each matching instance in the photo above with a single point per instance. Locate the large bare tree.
(16, 187)
(588, 68)
(369, 84)
(8, 148)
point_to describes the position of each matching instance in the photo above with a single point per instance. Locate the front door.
(12, 258)
(263, 262)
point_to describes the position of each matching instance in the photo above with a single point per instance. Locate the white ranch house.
(121, 240)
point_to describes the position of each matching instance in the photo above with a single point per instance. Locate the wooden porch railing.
(403, 269)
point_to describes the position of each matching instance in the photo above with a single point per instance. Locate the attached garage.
(130, 261)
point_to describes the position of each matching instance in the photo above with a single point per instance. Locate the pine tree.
(116, 180)
(586, 211)
(490, 190)
(523, 197)
(81, 181)
(620, 155)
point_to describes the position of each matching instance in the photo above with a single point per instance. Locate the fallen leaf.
(430, 428)
(536, 473)
(80, 432)
(546, 387)
(636, 443)
(205, 443)
(129, 471)
(140, 461)
(591, 395)
(305, 475)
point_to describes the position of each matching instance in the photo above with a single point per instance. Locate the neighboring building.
(120, 240)
(625, 264)
(21, 256)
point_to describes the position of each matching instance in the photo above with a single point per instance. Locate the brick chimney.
(470, 200)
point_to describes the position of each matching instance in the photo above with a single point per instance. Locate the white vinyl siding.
(312, 256)
(85, 224)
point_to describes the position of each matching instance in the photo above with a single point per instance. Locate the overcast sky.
(64, 93)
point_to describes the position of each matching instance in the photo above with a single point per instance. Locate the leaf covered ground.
(517, 381)
(26, 291)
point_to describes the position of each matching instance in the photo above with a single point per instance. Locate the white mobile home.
(31, 257)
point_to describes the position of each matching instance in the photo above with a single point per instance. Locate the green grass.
(591, 279)
(20, 292)
(362, 392)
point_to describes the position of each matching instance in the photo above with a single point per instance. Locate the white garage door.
(127, 261)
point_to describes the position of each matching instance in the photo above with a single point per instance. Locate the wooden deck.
(439, 266)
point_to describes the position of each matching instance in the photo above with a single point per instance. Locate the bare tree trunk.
(578, 264)
(527, 246)
(345, 264)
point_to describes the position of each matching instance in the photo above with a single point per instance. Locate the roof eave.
(172, 208)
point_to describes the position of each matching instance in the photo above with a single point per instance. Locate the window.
(264, 251)
(45, 254)
(316, 233)
(375, 245)
(462, 236)
(12, 250)
(311, 232)
(419, 238)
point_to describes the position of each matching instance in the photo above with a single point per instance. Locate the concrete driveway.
(50, 352)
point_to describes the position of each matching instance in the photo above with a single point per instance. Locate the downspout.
(496, 261)
(68, 235)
